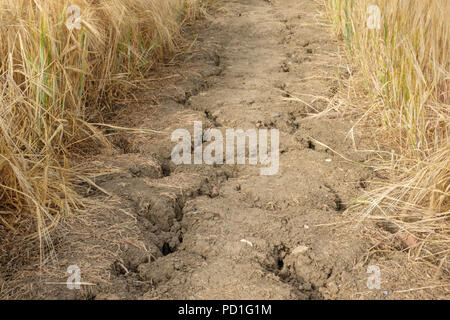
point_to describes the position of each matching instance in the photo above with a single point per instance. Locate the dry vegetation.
(53, 80)
(402, 84)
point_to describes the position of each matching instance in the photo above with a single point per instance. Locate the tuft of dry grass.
(53, 80)
(403, 86)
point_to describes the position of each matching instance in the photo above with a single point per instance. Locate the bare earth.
(175, 232)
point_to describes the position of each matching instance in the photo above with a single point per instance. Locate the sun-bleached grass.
(403, 85)
(53, 79)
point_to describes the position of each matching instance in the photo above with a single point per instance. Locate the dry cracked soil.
(162, 231)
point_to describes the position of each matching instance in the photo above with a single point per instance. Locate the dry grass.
(53, 80)
(402, 85)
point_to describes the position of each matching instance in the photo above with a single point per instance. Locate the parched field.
(87, 178)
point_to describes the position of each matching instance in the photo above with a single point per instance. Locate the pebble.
(247, 242)
(214, 192)
(300, 250)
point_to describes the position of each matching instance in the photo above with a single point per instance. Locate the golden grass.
(53, 79)
(404, 80)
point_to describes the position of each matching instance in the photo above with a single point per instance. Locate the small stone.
(247, 242)
(300, 250)
(214, 192)
(408, 240)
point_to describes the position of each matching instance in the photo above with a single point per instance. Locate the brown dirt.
(174, 232)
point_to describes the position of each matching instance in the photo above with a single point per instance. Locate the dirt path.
(257, 56)
(175, 231)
